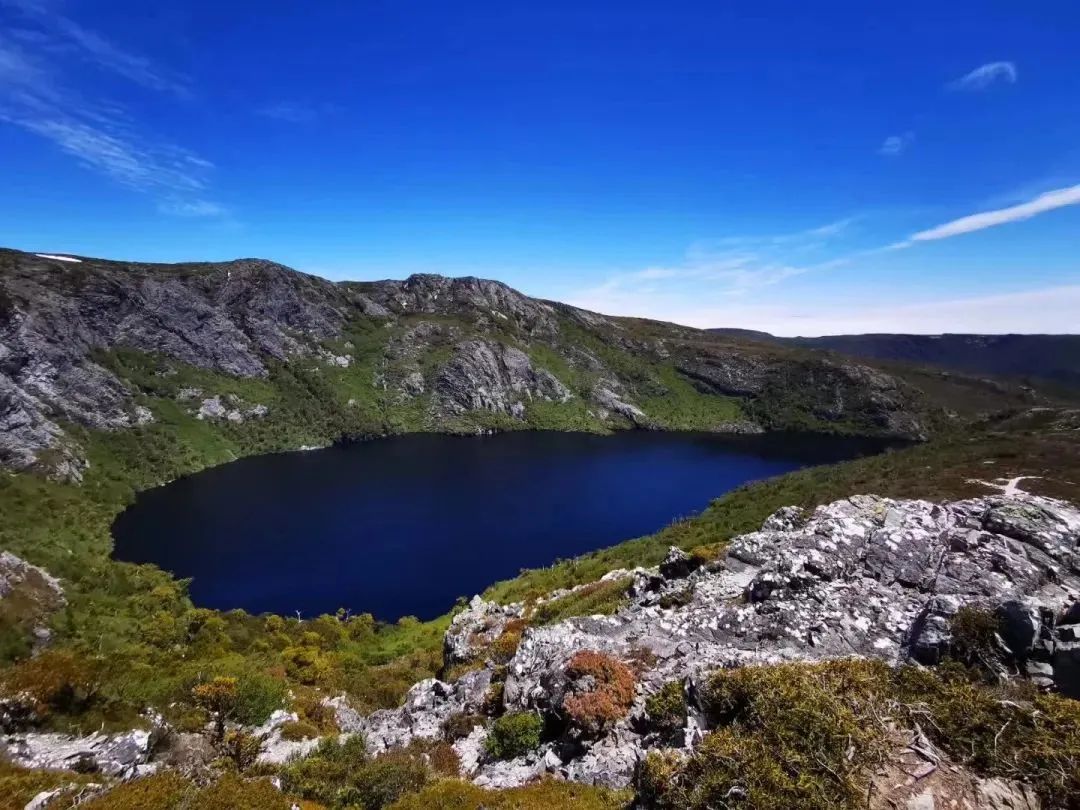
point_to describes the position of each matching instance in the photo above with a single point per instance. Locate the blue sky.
(803, 168)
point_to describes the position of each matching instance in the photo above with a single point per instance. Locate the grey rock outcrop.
(866, 576)
(274, 748)
(490, 301)
(490, 376)
(124, 755)
(427, 706)
(54, 315)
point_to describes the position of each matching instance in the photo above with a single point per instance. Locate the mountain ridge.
(94, 344)
(1051, 357)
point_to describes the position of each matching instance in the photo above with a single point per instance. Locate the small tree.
(217, 698)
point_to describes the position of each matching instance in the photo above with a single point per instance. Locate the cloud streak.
(36, 96)
(985, 76)
(1049, 201)
(58, 34)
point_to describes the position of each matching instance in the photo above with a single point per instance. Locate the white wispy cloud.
(732, 267)
(1049, 201)
(896, 145)
(192, 208)
(37, 96)
(986, 75)
(58, 33)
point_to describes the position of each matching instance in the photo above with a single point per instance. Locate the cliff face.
(455, 354)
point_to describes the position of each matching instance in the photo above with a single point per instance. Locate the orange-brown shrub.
(610, 697)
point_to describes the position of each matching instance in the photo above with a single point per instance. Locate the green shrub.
(326, 771)
(170, 791)
(807, 735)
(597, 598)
(298, 730)
(666, 709)
(514, 735)
(342, 775)
(217, 697)
(783, 739)
(257, 697)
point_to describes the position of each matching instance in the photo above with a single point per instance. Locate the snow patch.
(58, 258)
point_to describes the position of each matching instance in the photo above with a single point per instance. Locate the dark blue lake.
(405, 525)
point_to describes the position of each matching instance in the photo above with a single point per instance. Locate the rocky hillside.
(92, 345)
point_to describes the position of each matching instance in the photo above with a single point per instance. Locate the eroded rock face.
(488, 300)
(225, 317)
(865, 576)
(490, 376)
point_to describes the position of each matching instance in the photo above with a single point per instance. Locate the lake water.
(405, 525)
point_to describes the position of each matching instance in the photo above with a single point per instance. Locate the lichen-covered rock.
(864, 576)
(484, 375)
(274, 748)
(474, 629)
(427, 706)
(124, 755)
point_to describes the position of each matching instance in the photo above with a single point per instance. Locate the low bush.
(218, 698)
(460, 724)
(342, 775)
(548, 794)
(596, 598)
(58, 681)
(385, 779)
(608, 696)
(170, 791)
(666, 709)
(514, 735)
(241, 749)
(807, 735)
(296, 730)
(504, 647)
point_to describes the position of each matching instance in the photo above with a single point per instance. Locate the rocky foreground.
(863, 577)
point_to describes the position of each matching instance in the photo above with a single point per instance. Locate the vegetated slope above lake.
(1053, 358)
(247, 356)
